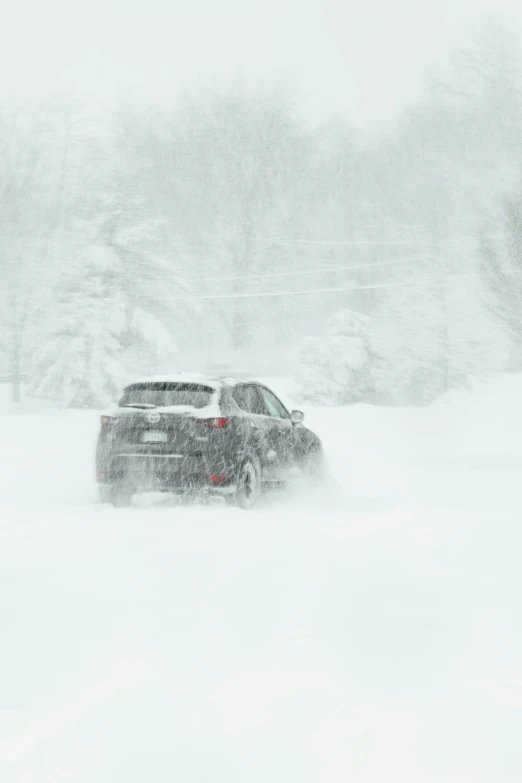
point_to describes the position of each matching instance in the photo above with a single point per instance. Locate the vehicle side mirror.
(297, 416)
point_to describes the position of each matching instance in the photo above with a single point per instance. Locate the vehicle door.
(258, 425)
(282, 440)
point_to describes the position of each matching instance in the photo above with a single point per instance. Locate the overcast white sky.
(362, 58)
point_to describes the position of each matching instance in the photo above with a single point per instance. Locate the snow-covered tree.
(422, 339)
(101, 330)
(79, 359)
(33, 146)
(337, 368)
(123, 296)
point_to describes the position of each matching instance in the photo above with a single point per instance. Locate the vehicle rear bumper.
(140, 472)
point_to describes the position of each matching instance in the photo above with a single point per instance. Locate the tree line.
(224, 229)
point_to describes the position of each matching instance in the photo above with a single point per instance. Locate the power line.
(352, 242)
(272, 241)
(306, 271)
(305, 292)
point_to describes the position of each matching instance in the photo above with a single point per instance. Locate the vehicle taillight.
(107, 419)
(219, 479)
(215, 423)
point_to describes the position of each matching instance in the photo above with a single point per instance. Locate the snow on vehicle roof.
(214, 381)
(180, 377)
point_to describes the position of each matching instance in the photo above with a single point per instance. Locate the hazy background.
(328, 190)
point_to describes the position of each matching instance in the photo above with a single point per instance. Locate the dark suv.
(198, 435)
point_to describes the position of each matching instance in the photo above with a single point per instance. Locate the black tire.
(116, 496)
(248, 485)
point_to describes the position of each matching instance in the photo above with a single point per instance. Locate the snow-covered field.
(370, 635)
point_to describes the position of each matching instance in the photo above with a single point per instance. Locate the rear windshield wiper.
(137, 405)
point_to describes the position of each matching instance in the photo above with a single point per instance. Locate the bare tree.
(32, 165)
(500, 264)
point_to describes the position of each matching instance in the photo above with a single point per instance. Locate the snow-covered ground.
(370, 635)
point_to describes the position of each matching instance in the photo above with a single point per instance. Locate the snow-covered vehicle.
(192, 434)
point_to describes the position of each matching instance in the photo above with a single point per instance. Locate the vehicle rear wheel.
(248, 485)
(314, 465)
(116, 496)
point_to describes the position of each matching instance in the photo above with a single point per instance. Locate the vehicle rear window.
(166, 394)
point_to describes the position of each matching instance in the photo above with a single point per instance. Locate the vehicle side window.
(248, 399)
(274, 406)
(240, 398)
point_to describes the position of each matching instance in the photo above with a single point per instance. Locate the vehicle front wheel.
(248, 485)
